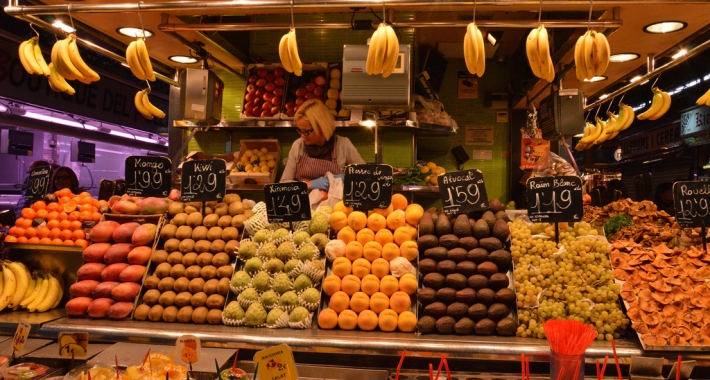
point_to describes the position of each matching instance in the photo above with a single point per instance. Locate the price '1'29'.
(359, 190)
(196, 184)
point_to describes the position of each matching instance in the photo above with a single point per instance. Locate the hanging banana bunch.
(591, 55)
(584, 142)
(32, 59)
(57, 82)
(606, 130)
(68, 62)
(704, 100)
(537, 48)
(138, 60)
(383, 52)
(659, 106)
(288, 52)
(474, 51)
(621, 122)
(145, 107)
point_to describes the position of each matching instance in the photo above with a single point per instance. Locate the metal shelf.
(402, 124)
(400, 188)
(44, 247)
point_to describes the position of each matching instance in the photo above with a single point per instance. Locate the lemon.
(424, 169)
(431, 165)
(271, 163)
(264, 169)
(264, 150)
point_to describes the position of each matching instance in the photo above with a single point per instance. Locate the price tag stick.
(12, 357)
(256, 371)
(216, 365)
(204, 205)
(705, 238)
(557, 233)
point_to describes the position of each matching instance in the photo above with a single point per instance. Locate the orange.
(74, 215)
(81, 243)
(28, 213)
(68, 242)
(64, 200)
(85, 215)
(19, 232)
(42, 214)
(69, 206)
(399, 202)
(53, 207)
(52, 223)
(63, 216)
(64, 225)
(54, 233)
(57, 241)
(42, 232)
(27, 223)
(19, 222)
(45, 240)
(101, 203)
(22, 239)
(53, 215)
(96, 217)
(33, 240)
(78, 235)
(84, 194)
(31, 232)
(39, 205)
(75, 225)
(65, 235)
(87, 207)
(12, 231)
(10, 239)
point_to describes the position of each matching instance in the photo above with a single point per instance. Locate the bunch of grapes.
(569, 280)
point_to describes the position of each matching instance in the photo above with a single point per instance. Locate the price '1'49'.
(287, 205)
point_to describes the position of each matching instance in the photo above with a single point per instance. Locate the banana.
(133, 62)
(30, 287)
(39, 279)
(470, 53)
(601, 126)
(579, 58)
(703, 99)
(9, 286)
(589, 55)
(283, 53)
(615, 122)
(531, 50)
(65, 66)
(593, 135)
(632, 116)
(138, 101)
(32, 307)
(293, 53)
(57, 82)
(543, 46)
(707, 102)
(37, 53)
(21, 283)
(392, 52)
(656, 105)
(481, 62)
(153, 110)
(380, 49)
(666, 105)
(588, 130)
(88, 74)
(602, 54)
(51, 297)
(59, 298)
(23, 60)
(371, 52)
(29, 53)
(144, 59)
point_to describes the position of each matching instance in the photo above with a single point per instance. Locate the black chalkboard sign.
(555, 199)
(106, 189)
(203, 180)
(462, 192)
(148, 176)
(692, 203)
(367, 186)
(38, 183)
(287, 202)
(120, 187)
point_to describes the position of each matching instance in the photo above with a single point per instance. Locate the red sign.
(531, 151)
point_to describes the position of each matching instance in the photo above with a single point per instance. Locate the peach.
(380, 267)
(400, 302)
(340, 206)
(364, 236)
(361, 267)
(384, 236)
(346, 234)
(413, 214)
(384, 211)
(395, 220)
(357, 220)
(367, 320)
(409, 250)
(359, 302)
(390, 251)
(370, 284)
(399, 201)
(376, 222)
(371, 251)
(407, 321)
(338, 220)
(350, 284)
(378, 302)
(339, 301)
(331, 284)
(389, 285)
(347, 320)
(327, 319)
(408, 283)
(388, 320)
(353, 250)
(341, 267)
(401, 235)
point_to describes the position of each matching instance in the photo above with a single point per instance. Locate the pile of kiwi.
(190, 271)
(463, 271)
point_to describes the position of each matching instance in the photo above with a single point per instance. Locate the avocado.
(449, 241)
(498, 281)
(427, 266)
(495, 205)
(485, 327)
(457, 255)
(445, 325)
(501, 258)
(477, 255)
(456, 281)
(506, 327)
(426, 224)
(433, 212)
(427, 241)
(490, 244)
(487, 268)
(466, 295)
(434, 280)
(443, 226)
(426, 324)
(468, 243)
(500, 229)
(426, 296)
(502, 215)
(466, 268)
(457, 310)
(498, 311)
(435, 309)
(486, 296)
(490, 218)
(446, 267)
(464, 326)
(477, 282)
(446, 295)
(477, 311)
(436, 253)
(461, 226)
(481, 230)
(505, 295)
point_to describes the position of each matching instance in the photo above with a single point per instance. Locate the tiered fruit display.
(191, 268)
(115, 264)
(466, 288)
(373, 275)
(58, 219)
(432, 171)
(20, 289)
(278, 284)
(334, 93)
(264, 93)
(257, 161)
(309, 86)
(127, 205)
(569, 280)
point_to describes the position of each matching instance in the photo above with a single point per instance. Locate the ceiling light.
(368, 123)
(68, 123)
(122, 134)
(679, 54)
(62, 26)
(491, 39)
(141, 138)
(134, 32)
(635, 79)
(579, 135)
(3, 108)
(183, 59)
(596, 78)
(665, 27)
(624, 57)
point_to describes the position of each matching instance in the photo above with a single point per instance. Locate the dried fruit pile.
(649, 224)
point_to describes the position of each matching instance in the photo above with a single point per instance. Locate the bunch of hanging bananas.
(591, 55)
(57, 82)
(383, 52)
(32, 59)
(537, 48)
(659, 106)
(474, 51)
(288, 52)
(139, 61)
(68, 62)
(606, 130)
(704, 100)
(36, 292)
(145, 107)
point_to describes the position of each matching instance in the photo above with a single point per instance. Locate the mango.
(99, 307)
(76, 307)
(95, 252)
(103, 232)
(125, 208)
(123, 233)
(153, 206)
(90, 271)
(83, 288)
(139, 255)
(120, 310)
(117, 253)
(144, 235)
(103, 290)
(111, 272)
(126, 291)
(134, 273)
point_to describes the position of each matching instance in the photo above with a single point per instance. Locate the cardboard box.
(239, 178)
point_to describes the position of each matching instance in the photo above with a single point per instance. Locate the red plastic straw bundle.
(569, 337)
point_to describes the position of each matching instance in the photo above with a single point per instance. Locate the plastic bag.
(318, 197)
(551, 165)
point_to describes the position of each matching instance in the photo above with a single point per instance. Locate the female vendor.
(319, 150)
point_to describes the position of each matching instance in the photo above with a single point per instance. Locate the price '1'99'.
(147, 179)
(459, 195)
(197, 184)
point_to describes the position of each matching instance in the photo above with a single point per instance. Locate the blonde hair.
(315, 112)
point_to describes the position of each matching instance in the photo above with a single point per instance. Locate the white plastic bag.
(335, 193)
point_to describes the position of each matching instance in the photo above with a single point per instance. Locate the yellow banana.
(133, 62)
(138, 101)
(594, 135)
(481, 62)
(588, 130)
(88, 74)
(543, 46)
(30, 287)
(579, 58)
(29, 53)
(392, 52)
(371, 52)
(469, 50)
(531, 50)
(39, 279)
(21, 283)
(283, 53)
(144, 59)
(51, 296)
(703, 99)
(40, 59)
(707, 102)
(32, 307)
(23, 60)
(9, 286)
(656, 105)
(67, 68)
(293, 53)
(615, 122)
(601, 54)
(57, 82)
(666, 105)
(601, 126)
(380, 49)
(59, 298)
(632, 116)
(153, 110)
(588, 55)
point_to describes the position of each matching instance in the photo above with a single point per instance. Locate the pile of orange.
(62, 220)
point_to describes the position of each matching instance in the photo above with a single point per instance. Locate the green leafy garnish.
(615, 223)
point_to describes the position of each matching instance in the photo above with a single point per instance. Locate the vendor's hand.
(320, 183)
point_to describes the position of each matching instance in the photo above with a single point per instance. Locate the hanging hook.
(292, 25)
(609, 106)
(34, 30)
(474, 10)
(655, 81)
(539, 13)
(141, 20)
(71, 18)
(597, 114)
(149, 88)
(589, 21)
(622, 99)
(384, 12)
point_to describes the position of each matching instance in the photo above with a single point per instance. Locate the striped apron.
(311, 168)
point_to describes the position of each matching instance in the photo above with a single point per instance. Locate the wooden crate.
(239, 178)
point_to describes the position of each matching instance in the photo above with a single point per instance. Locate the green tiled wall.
(233, 97)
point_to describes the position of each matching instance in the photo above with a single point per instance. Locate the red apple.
(259, 92)
(276, 100)
(275, 110)
(248, 106)
(261, 82)
(295, 109)
(300, 101)
(318, 91)
(267, 105)
(279, 72)
(301, 92)
(262, 73)
(320, 80)
(278, 91)
(251, 88)
(249, 113)
(267, 96)
(290, 113)
(270, 78)
(270, 86)
(310, 95)
(266, 113)
(309, 87)
(279, 82)
(250, 97)
(253, 79)
(258, 102)
(290, 105)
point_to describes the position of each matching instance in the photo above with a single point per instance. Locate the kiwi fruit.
(166, 284)
(141, 312)
(198, 299)
(194, 219)
(446, 267)
(215, 301)
(199, 233)
(193, 271)
(175, 258)
(171, 245)
(170, 314)
(426, 296)
(446, 295)
(223, 286)
(151, 282)
(217, 246)
(225, 221)
(196, 285)
(183, 299)
(179, 219)
(238, 221)
(181, 284)
(435, 309)
(177, 271)
(155, 313)
(231, 247)
(159, 256)
(427, 266)
(202, 246)
(225, 271)
(163, 270)
(208, 272)
(210, 221)
(221, 210)
(214, 317)
(167, 298)
(220, 259)
(230, 233)
(210, 287)
(199, 315)
(186, 246)
(151, 297)
(189, 209)
(185, 314)
(167, 232)
(183, 232)
(189, 259)
(204, 259)
(214, 233)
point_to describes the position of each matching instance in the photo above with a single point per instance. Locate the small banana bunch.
(32, 59)
(591, 55)
(288, 52)
(474, 51)
(383, 52)
(69, 64)
(145, 107)
(537, 48)
(139, 61)
(659, 106)
(704, 100)
(36, 292)
(606, 130)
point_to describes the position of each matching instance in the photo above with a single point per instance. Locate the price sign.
(21, 334)
(148, 176)
(188, 346)
(276, 363)
(367, 187)
(38, 183)
(203, 180)
(73, 344)
(692, 203)
(462, 192)
(555, 199)
(106, 189)
(287, 202)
